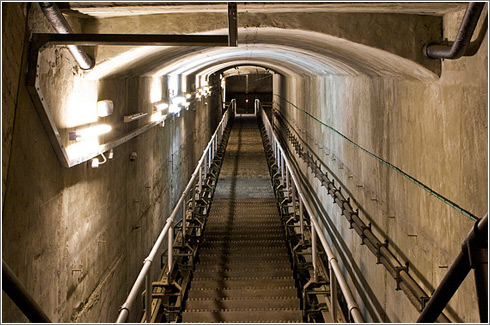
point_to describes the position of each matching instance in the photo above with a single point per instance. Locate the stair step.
(238, 265)
(242, 250)
(244, 243)
(239, 237)
(246, 226)
(225, 230)
(284, 315)
(245, 282)
(220, 224)
(257, 258)
(287, 291)
(227, 273)
(264, 302)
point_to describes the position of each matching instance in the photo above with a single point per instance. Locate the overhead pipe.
(460, 45)
(473, 254)
(19, 295)
(58, 21)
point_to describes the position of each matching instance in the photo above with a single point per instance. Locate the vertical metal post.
(184, 215)
(193, 198)
(282, 166)
(200, 181)
(209, 157)
(170, 247)
(301, 219)
(148, 295)
(232, 24)
(313, 250)
(287, 180)
(293, 196)
(333, 293)
(205, 163)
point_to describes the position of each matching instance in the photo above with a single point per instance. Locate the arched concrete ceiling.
(305, 52)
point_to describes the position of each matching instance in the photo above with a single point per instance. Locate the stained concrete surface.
(62, 228)
(436, 131)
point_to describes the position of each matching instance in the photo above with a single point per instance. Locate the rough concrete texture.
(363, 28)
(13, 33)
(436, 131)
(76, 237)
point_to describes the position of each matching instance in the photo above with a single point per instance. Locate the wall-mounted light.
(89, 132)
(105, 107)
(161, 106)
(134, 117)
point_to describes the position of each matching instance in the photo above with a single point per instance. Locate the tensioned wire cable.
(450, 203)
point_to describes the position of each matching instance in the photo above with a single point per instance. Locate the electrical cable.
(450, 203)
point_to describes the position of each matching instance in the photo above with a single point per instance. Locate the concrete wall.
(436, 131)
(76, 238)
(13, 33)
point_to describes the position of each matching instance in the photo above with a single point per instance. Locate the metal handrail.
(203, 165)
(287, 174)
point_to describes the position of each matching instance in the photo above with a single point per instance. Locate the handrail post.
(170, 247)
(287, 180)
(200, 180)
(301, 219)
(333, 293)
(148, 295)
(313, 250)
(184, 217)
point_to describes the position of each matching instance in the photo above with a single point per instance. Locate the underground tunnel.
(244, 162)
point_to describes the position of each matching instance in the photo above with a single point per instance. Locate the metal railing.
(290, 180)
(196, 181)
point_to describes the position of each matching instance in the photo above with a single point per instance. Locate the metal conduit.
(384, 256)
(19, 295)
(58, 21)
(460, 45)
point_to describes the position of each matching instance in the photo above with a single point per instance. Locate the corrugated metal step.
(243, 282)
(233, 229)
(241, 250)
(257, 258)
(243, 243)
(234, 303)
(233, 265)
(230, 273)
(250, 315)
(246, 226)
(238, 237)
(265, 291)
(244, 223)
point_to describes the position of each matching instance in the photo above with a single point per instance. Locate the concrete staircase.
(243, 272)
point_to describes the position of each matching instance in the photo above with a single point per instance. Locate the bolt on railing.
(202, 167)
(336, 276)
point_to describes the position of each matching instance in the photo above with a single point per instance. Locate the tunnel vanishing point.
(245, 162)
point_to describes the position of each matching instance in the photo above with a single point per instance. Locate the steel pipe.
(457, 273)
(463, 38)
(21, 297)
(59, 23)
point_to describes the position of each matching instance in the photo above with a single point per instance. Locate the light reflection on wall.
(82, 148)
(156, 90)
(81, 105)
